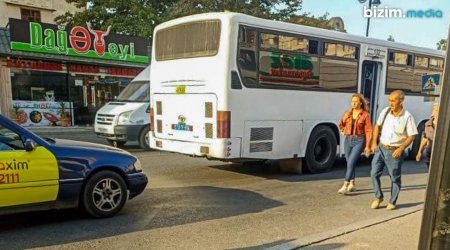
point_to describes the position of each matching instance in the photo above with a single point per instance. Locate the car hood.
(81, 144)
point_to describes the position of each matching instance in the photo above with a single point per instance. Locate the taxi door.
(26, 177)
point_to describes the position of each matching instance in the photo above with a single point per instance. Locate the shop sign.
(111, 71)
(78, 68)
(122, 72)
(78, 82)
(39, 113)
(77, 41)
(34, 65)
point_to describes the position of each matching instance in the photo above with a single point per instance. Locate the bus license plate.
(182, 127)
(181, 89)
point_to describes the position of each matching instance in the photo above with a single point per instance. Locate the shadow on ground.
(159, 208)
(264, 246)
(270, 171)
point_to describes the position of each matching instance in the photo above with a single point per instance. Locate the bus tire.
(416, 143)
(115, 143)
(321, 150)
(144, 138)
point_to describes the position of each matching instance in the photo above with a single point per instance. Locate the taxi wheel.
(105, 194)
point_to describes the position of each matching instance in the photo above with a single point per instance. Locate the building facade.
(44, 11)
(48, 72)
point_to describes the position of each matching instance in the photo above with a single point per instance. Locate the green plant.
(64, 113)
(15, 110)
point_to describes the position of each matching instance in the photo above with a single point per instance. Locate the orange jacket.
(362, 126)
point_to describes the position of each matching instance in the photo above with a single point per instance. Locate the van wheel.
(321, 150)
(416, 142)
(144, 138)
(105, 194)
(115, 143)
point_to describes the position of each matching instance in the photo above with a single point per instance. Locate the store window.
(29, 85)
(30, 15)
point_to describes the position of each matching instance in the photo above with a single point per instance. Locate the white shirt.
(396, 129)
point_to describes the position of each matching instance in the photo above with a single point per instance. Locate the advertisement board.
(41, 113)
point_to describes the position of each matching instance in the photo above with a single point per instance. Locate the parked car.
(42, 173)
(127, 118)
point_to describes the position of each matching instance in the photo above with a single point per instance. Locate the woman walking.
(357, 128)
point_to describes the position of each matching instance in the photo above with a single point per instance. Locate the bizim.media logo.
(386, 12)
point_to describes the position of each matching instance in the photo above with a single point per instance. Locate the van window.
(135, 92)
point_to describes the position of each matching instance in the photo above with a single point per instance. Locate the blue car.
(41, 173)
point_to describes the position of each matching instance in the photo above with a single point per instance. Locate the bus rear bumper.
(223, 149)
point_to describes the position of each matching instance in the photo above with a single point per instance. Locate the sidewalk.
(399, 231)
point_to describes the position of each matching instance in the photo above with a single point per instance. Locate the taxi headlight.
(138, 165)
(124, 118)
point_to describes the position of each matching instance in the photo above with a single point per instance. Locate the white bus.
(234, 87)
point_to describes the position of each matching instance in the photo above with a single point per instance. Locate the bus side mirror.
(29, 145)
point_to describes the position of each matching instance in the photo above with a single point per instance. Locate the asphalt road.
(193, 203)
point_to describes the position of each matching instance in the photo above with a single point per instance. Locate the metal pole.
(368, 19)
(435, 230)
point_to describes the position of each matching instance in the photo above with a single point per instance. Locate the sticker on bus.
(181, 89)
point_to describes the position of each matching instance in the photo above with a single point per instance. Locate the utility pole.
(435, 230)
(371, 2)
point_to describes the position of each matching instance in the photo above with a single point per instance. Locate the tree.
(130, 17)
(139, 17)
(310, 20)
(442, 44)
(391, 38)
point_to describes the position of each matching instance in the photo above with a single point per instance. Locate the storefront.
(85, 68)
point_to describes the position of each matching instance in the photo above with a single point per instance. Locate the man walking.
(398, 129)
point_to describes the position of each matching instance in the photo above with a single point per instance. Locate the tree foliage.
(139, 17)
(442, 44)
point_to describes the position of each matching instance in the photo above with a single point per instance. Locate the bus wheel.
(416, 142)
(321, 150)
(144, 138)
(115, 143)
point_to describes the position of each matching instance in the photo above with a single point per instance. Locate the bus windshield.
(135, 92)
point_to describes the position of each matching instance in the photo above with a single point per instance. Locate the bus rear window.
(194, 39)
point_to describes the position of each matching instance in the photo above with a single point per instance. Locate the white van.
(127, 118)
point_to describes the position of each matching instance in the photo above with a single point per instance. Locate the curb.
(60, 129)
(316, 238)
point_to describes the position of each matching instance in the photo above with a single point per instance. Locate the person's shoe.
(390, 207)
(351, 187)
(343, 189)
(376, 203)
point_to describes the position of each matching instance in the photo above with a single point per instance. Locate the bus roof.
(304, 30)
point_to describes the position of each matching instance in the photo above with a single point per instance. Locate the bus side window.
(247, 59)
(247, 56)
(313, 47)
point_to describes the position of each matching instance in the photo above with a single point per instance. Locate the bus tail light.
(159, 108)
(159, 126)
(152, 117)
(209, 130)
(204, 150)
(223, 124)
(208, 110)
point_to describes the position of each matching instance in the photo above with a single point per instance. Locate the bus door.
(369, 85)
